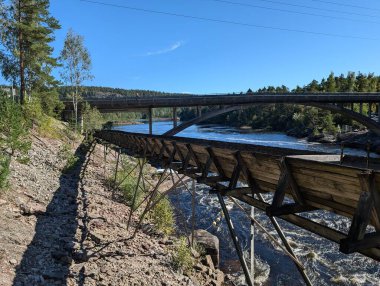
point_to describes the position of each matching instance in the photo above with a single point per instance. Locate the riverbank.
(61, 226)
(361, 139)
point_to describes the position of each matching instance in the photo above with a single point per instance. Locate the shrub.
(4, 171)
(162, 216)
(65, 153)
(13, 137)
(127, 184)
(182, 258)
(50, 103)
(92, 119)
(33, 111)
(13, 128)
(128, 189)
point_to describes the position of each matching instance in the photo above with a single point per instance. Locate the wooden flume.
(340, 185)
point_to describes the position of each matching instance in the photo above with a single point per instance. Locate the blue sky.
(140, 50)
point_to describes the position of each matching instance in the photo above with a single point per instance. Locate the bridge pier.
(174, 117)
(150, 120)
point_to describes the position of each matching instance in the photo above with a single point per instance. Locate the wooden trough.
(311, 181)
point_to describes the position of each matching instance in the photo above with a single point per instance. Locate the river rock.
(210, 243)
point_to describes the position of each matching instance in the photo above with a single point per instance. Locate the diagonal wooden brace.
(368, 207)
(286, 181)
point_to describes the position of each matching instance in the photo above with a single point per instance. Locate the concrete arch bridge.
(342, 103)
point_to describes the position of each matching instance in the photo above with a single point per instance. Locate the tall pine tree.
(26, 30)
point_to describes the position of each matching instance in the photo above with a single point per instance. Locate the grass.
(66, 154)
(127, 184)
(182, 258)
(162, 216)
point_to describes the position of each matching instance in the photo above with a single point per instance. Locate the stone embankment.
(66, 229)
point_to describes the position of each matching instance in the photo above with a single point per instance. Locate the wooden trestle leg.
(235, 240)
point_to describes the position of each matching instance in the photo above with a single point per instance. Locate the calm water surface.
(324, 263)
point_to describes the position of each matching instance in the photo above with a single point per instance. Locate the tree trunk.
(21, 58)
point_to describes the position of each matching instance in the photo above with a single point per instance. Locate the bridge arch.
(364, 120)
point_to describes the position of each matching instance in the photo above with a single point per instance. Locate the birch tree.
(76, 67)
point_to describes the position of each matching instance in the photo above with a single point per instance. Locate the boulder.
(209, 242)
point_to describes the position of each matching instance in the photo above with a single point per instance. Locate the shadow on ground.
(48, 257)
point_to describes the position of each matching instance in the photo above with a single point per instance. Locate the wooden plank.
(342, 179)
(329, 205)
(326, 167)
(325, 186)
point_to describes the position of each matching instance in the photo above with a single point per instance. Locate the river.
(324, 263)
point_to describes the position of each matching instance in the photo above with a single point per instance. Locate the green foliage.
(50, 103)
(13, 128)
(297, 120)
(36, 117)
(13, 137)
(128, 188)
(126, 182)
(66, 154)
(33, 111)
(26, 30)
(5, 161)
(92, 119)
(182, 258)
(162, 216)
(100, 91)
(76, 66)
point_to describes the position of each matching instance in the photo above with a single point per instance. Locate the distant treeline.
(104, 92)
(298, 120)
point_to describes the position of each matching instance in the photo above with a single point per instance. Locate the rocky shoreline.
(62, 228)
(363, 140)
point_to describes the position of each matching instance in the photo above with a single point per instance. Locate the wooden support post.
(357, 239)
(192, 211)
(174, 117)
(369, 110)
(136, 190)
(286, 244)
(199, 111)
(361, 108)
(105, 160)
(116, 170)
(378, 112)
(252, 238)
(142, 164)
(150, 120)
(217, 164)
(368, 149)
(235, 240)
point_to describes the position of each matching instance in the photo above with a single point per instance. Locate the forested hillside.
(300, 120)
(104, 92)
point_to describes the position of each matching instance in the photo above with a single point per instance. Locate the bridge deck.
(312, 181)
(115, 104)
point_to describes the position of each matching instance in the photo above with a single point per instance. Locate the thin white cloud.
(170, 49)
